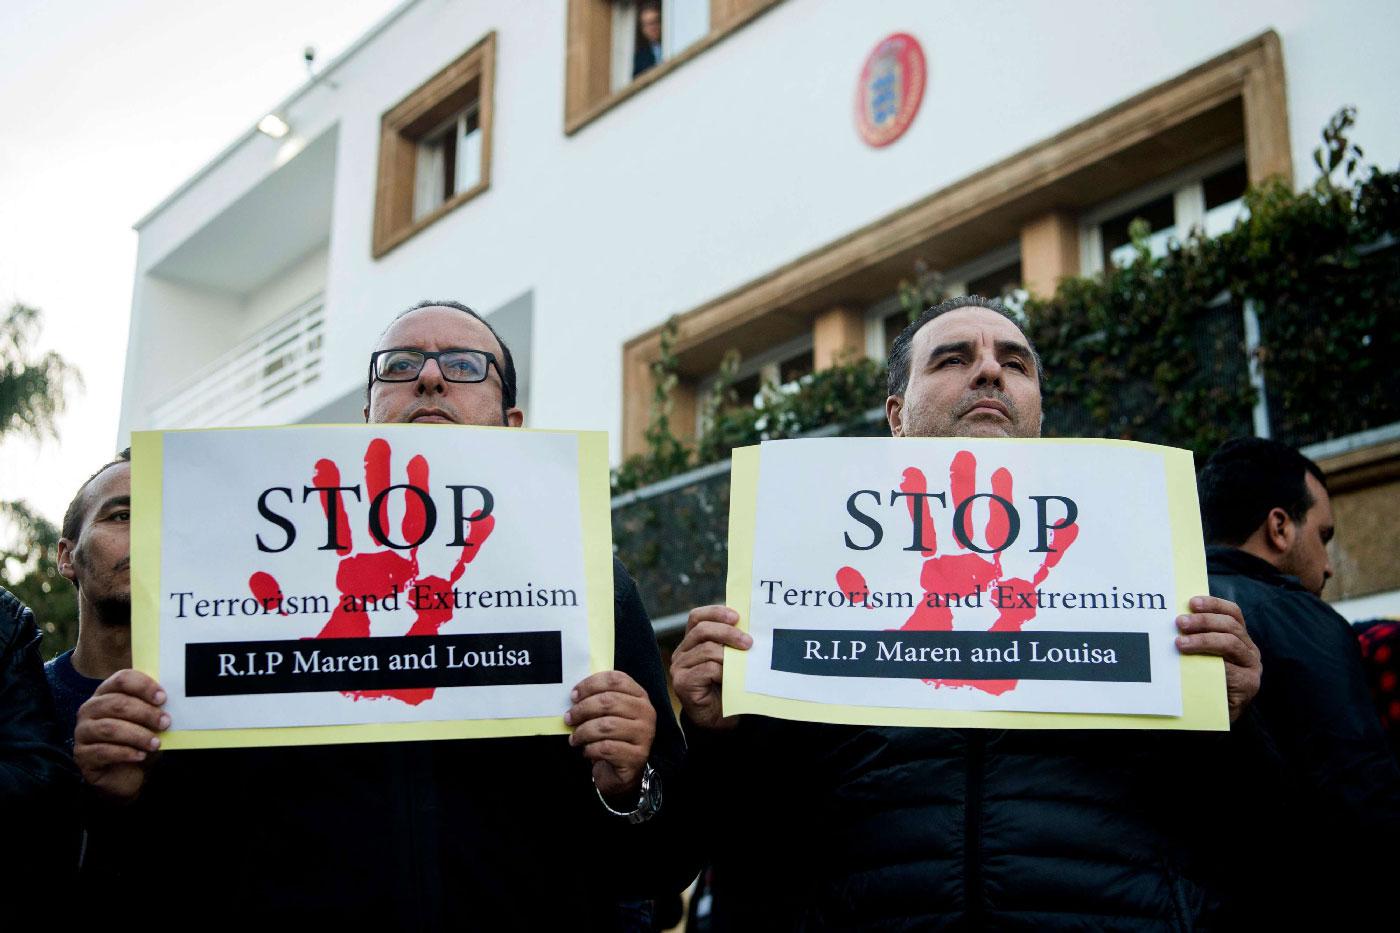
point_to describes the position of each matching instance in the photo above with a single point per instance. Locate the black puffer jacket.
(38, 783)
(914, 829)
(1326, 802)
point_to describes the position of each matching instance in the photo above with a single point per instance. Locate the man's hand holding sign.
(889, 588)
(325, 599)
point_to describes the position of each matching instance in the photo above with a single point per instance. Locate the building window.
(778, 369)
(615, 47)
(435, 148)
(1208, 197)
(649, 32)
(449, 162)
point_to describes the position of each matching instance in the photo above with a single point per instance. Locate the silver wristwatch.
(649, 803)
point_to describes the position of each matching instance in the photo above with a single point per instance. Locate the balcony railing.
(239, 387)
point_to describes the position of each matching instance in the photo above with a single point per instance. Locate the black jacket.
(912, 829)
(38, 783)
(487, 834)
(1327, 799)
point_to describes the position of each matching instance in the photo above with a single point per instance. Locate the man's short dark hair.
(1246, 479)
(507, 364)
(898, 366)
(73, 516)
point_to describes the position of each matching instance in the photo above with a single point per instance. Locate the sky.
(105, 108)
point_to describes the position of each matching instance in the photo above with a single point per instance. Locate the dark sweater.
(1325, 802)
(38, 783)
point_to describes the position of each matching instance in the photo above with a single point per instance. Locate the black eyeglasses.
(405, 365)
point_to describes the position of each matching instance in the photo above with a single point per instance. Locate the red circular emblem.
(890, 90)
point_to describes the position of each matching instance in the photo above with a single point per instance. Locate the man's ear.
(65, 559)
(514, 418)
(1279, 530)
(894, 414)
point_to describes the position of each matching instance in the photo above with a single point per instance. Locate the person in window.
(648, 54)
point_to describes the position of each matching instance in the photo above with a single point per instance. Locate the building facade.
(551, 165)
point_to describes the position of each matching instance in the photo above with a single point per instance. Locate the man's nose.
(987, 371)
(430, 378)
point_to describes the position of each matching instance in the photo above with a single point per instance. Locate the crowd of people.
(1290, 817)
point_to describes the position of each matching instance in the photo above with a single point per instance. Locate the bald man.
(493, 834)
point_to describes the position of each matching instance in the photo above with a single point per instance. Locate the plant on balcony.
(1154, 350)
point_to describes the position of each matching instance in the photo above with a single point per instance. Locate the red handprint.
(966, 571)
(382, 573)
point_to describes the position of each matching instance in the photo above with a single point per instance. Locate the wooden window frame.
(588, 92)
(1046, 180)
(403, 125)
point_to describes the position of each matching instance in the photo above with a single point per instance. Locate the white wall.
(746, 157)
(289, 289)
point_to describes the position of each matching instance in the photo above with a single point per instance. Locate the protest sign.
(968, 583)
(313, 584)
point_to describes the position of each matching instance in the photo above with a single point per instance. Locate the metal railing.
(240, 386)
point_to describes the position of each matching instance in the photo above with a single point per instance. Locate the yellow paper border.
(147, 497)
(1203, 700)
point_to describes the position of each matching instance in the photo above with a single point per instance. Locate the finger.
(1214, 604)
(851, 581)
(609, 704)
(716, 613)
(115, 732)
(127, 708)
(617, 752)
(703, 653)
(703, 675)
(1211, 622)
(327, 477)
(998, 516)
(415, 514)
(1221, 645)
(715, 633)
(100, 755)
(915, 484)
(267, 591)
(962, 483)
(631, 731)
(133, 683)
(605, 681)
(377, 465)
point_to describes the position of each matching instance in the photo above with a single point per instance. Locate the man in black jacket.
(492, 834)
(848, 827)
(1327, 795)
(37, 781)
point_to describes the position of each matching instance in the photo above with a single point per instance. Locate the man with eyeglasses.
(493, 834)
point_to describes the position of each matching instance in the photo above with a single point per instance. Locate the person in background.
(1324, 803)
(648, 53)
(95, 555)
(38, 785)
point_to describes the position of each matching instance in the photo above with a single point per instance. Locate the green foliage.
(33, 390)
(30, 568)
(1154, 350)
(665, 455)
(923, 291)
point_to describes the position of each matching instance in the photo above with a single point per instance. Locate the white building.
(500, 152)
